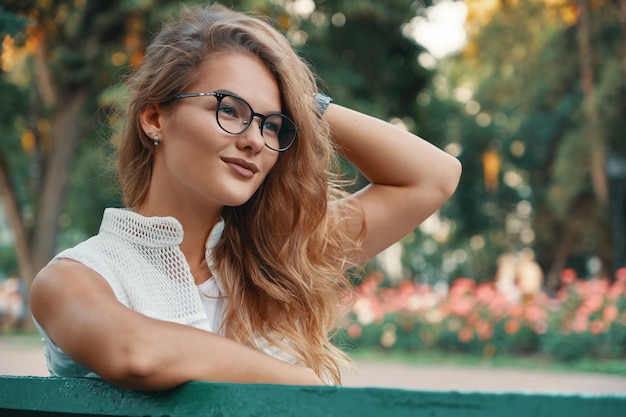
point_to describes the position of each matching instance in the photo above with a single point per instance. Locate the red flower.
(568, 276)
(511, 326)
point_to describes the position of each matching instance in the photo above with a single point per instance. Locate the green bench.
(40, 396)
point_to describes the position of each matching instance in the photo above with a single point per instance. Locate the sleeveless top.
(141, 260)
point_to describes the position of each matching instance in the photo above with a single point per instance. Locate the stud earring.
(156, 140)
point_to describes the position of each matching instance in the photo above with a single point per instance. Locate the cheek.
(190, 126)
(269, 163)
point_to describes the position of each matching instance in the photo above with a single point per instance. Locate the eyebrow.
(226, 91)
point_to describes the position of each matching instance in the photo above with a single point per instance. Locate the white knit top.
(141, 260)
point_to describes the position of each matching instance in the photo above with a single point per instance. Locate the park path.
(16, 359)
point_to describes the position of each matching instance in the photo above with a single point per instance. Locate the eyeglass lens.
(235, 115)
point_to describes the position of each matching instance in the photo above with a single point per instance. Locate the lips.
(241, 166)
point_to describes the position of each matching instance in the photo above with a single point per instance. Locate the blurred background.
(528, 256)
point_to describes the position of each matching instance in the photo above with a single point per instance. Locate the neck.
(197, 225)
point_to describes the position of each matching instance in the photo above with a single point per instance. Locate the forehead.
(244, 74)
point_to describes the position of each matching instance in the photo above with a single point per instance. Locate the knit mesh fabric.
(141, 260)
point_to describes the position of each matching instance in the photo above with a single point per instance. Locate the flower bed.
(585, 318)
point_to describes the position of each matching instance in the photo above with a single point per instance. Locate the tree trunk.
(553, 277)
(20, 241)
(622, 21)
(593, 133)
(66, 133)
(12, 209)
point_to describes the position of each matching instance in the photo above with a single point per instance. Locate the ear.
(150, 120)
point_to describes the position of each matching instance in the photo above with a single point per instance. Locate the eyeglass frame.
(221, 95)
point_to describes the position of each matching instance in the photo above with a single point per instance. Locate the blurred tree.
(543, 81)
(367, 60)
(53, 75)
(10, 25)
(59, 87)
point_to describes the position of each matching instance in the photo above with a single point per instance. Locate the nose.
(252, 138)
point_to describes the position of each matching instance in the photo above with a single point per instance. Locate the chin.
(238, 201)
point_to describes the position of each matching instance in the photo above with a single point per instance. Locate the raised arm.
(79, 311)
(410, 178)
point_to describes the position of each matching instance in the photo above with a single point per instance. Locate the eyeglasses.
(234, 115)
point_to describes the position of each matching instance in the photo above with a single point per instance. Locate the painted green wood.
(36, 396)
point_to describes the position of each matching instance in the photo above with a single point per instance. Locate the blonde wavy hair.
(282, 258)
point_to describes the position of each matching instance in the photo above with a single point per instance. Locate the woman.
(229, 262)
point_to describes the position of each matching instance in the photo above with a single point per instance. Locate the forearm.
(187, 354)
(79, 311)
(410, 178)
(389, 155)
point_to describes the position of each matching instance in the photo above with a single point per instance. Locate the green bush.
(585, 319)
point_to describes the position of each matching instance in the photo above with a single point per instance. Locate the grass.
(437, 358)
(21, 339)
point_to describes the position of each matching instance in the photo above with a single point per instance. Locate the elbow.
(449, 180)
(134, 368)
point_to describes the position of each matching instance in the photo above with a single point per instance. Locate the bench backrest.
(37, 396)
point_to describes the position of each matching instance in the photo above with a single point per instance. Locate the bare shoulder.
(62, 284)
(66, 275)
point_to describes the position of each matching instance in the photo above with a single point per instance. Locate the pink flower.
(369, 285)
(424, 289)
(511, 326)
(466, 334)
(568, 276)
(462, 285)
(516, 310)
(540, 327)
(580, 323)
(484, 330)
(593, 303)
(534, 313)
(620, 274)
(597, 327)
(616, 290)
(462, 307)
(610, 313)
(354, 331)
(486, 292)
(406, 288)
(598, 286)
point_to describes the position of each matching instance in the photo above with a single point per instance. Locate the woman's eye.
(271, 127)
(227, 111)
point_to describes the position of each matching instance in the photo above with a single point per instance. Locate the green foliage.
(75, 48)
(10, 24)
(363, 58)
(523, 69)
(8, 262)
(573, 150)
(567, 347)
